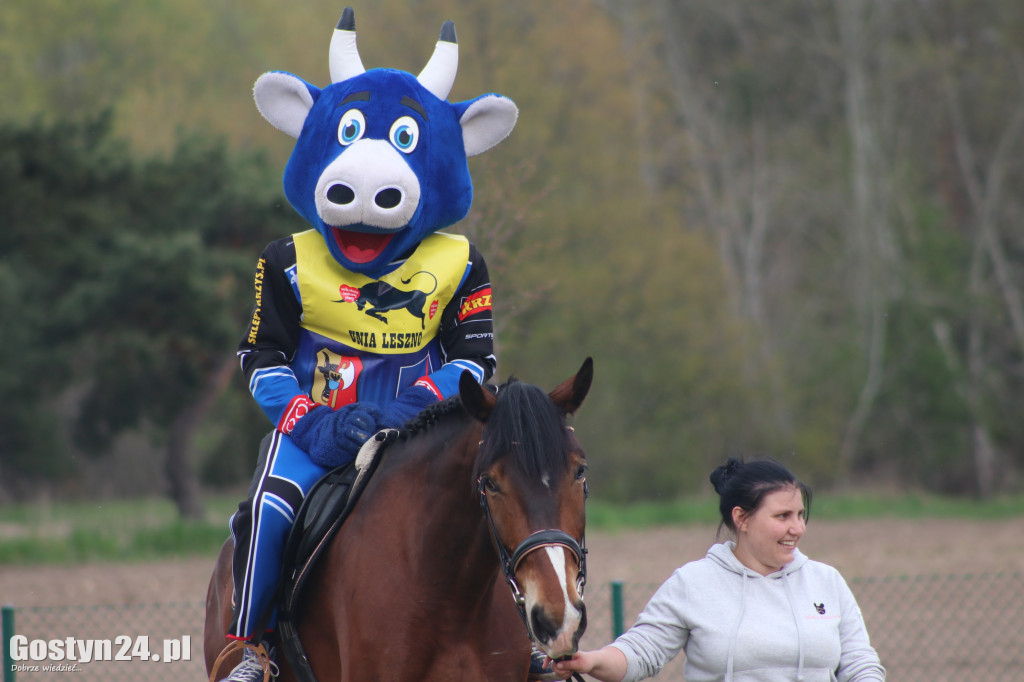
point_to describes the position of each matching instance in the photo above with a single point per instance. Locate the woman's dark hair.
(744, 485)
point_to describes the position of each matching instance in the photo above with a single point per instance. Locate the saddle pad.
(319, 515)
(322, 512)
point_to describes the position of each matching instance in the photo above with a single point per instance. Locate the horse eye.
(581, 473)
(490, 485)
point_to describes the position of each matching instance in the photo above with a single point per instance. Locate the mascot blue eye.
(405, 134)
(352, 127)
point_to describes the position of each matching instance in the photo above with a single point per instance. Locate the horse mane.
(430, 416)
(527, 424)
(524, 423)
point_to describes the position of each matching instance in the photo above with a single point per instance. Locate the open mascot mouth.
(360, 247)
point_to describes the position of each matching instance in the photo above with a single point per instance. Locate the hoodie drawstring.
(736, 628)
(799, 632)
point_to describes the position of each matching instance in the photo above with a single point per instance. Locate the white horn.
(345, 61)
(438, 76)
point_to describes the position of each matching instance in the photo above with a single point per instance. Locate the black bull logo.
(382, 297)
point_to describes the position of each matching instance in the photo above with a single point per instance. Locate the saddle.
(329, 502)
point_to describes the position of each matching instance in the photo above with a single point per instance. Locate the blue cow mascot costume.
(373, 314)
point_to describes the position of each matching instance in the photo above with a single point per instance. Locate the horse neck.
(434, 478)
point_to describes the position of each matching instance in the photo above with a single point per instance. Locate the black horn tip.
(448, 32)
(348, 20)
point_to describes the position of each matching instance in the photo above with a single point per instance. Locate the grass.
(830, 506)
(137, 530)
(109, 530)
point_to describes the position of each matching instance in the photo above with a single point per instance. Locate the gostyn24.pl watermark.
(71, 653)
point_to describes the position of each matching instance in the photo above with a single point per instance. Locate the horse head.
(531, 476)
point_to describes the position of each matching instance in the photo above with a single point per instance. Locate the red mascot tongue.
(360, 247)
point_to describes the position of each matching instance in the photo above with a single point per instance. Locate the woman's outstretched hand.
(573, 664)
(607, 664)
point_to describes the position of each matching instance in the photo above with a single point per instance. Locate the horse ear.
(570, 393)
(478, 402)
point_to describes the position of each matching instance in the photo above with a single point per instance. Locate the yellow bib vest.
(371, 336)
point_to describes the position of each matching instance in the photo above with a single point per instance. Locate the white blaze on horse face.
(564, 643)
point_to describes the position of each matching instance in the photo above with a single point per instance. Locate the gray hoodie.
(800, 623)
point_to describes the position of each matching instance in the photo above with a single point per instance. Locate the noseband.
(551, 537)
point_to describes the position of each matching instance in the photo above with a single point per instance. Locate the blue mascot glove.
(407, 405)
(333, 437)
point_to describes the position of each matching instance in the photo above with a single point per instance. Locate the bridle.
(551, 537)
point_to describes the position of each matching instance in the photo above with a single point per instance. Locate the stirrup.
(270, 669)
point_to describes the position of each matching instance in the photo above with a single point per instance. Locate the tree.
(782, 227)
(55, 208)
(805, 138)
(142, 268)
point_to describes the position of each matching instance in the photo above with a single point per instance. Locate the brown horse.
(485, 495)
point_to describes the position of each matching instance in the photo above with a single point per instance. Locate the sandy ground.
(941, 597)
(860, 549)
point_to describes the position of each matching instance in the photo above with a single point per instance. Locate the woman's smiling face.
(767, 537)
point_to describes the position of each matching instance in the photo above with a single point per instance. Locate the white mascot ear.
(486, 122)
(284, 100)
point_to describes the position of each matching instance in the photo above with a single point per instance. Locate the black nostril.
(341, 194)
(388, 198)
(544, 629)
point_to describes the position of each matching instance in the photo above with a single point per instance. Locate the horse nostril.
(341, 194)
(544, 629)
(388, 198)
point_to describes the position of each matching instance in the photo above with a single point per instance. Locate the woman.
(755, 608)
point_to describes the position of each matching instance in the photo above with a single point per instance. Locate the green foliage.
(124, 282)
(620, 220)
(46, 247)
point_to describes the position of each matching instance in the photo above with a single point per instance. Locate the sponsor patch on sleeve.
(477, 303)
(297, 408)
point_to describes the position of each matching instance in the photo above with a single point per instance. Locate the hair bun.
(724, 472)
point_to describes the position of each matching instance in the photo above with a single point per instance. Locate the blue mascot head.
(380, 157)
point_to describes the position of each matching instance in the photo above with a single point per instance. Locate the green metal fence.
(967, 628)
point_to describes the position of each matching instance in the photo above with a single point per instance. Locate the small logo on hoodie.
(820, 608)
